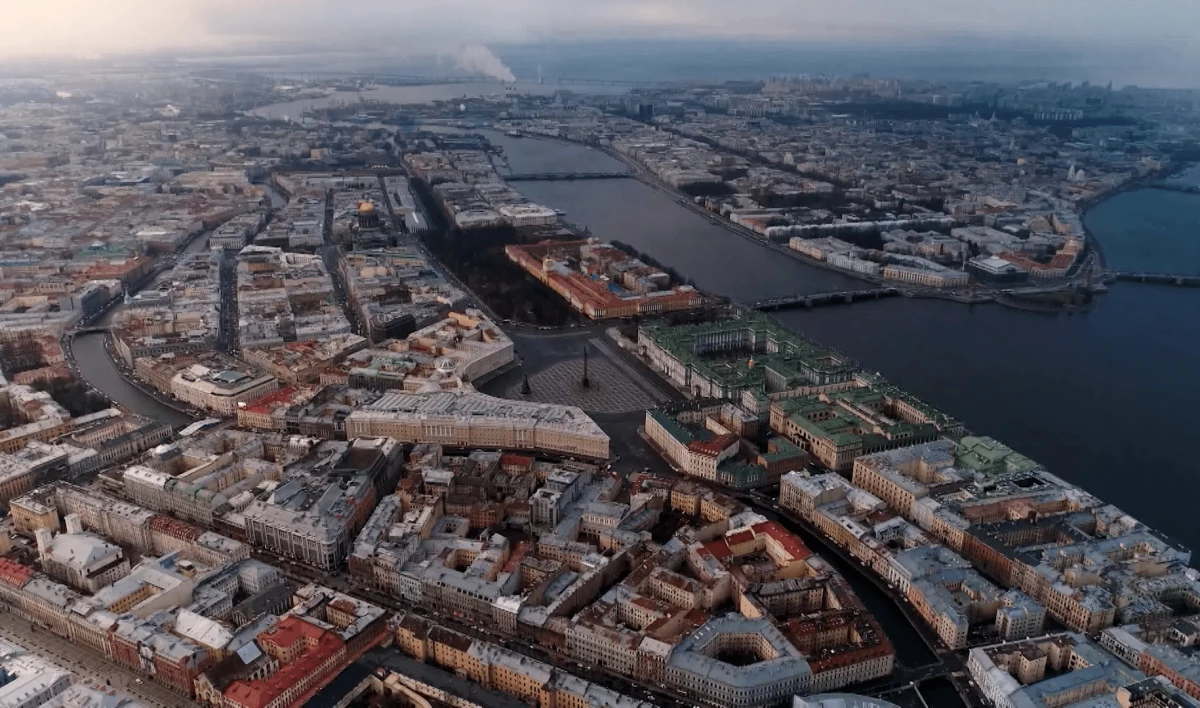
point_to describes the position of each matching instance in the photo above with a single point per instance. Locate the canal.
(98, 369)
(911, 649)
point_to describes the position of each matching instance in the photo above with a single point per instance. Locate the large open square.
(611, 389)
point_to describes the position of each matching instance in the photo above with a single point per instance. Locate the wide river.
(1105, 399)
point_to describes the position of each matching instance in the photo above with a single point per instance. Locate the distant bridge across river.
(1180, 279)
(564, 176)
(788, 302)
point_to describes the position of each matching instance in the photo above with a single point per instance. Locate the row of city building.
(758, 373)
(194, 614)
(782, 181)
(950, 525)
(931, 259)
(285, 297)
(471, 191)
(45, 442)
(1068, 669)
(592, 583)
(601, 281)
(498, 668)
(458, 417)
(100, 194)
(395, 291)
(178, 312)
(984, 543)
(28, 680)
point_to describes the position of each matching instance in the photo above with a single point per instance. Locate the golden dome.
(364, 207)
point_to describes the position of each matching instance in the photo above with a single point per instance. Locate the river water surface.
(1104, 398)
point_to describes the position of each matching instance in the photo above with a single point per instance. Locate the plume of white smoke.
(478, 59)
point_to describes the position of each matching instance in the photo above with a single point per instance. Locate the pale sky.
(84, 27)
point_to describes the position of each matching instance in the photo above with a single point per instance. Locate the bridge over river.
(836, 297)
(1180, 279)
(564, 176)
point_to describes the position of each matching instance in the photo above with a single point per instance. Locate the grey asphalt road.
(86, 664)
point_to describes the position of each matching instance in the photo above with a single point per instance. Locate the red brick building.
(310, 657)
(601, 281)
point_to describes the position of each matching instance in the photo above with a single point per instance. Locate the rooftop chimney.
(43, 536)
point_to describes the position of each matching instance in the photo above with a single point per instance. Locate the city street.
(87, 664)
(343, 582)
(228, 336)
(715, 294)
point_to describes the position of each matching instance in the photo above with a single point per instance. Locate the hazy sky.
(82, 27)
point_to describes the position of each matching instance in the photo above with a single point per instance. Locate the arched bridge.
(817, 299)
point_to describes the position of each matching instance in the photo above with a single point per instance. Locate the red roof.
(101, 269)
(290, 630)
(1062, 260)
(1058, 262)
(697, 617)
(13, 573)
(344, 605)
(264, 404)
(714, 447)
(739, 537)
(645, 603)
(58, 371)
(321, 646)
(174, 527)
(305, 346)
(581, 288)
(508, 459)
(518, 554)
(790, 542)
(719, 549)
(722, 548)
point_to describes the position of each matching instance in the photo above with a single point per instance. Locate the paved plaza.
(612, 390)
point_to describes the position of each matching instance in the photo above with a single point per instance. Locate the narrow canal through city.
(98, 369)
